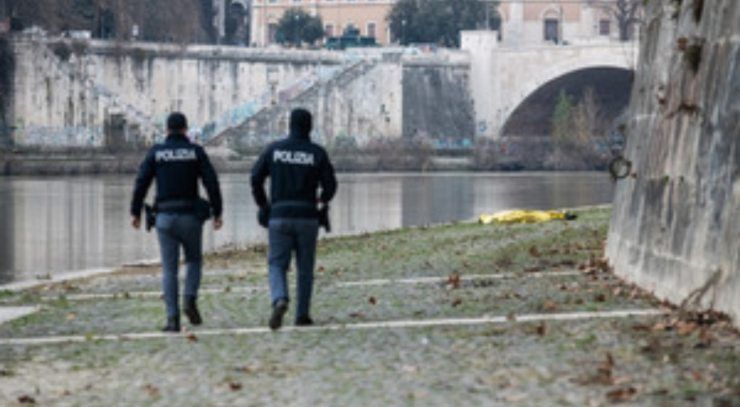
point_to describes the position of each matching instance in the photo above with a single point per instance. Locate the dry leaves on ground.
(26, 399)
(621, 394)
(453, 281)
(151, 390)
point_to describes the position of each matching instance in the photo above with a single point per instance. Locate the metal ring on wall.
(620, 168)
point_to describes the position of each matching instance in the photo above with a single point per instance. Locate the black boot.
(190, 308)
(173, 324)
(304, 320)
(278, 311)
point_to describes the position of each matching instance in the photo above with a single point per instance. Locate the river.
(52, 226)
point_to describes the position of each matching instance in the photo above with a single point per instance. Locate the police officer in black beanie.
(297, 169)
(177, 164)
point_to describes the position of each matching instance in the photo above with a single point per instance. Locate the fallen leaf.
(534, 252)
(191, 337)
(321, 269)
(511, 316)
(235, 386)
(685, 328)
(660, 326)
(541, 329)
(640, 328)
(410, 369)
(357, 315)
(71, 316)
(26, 399)
(244, 369)
(151, 390)
(705, 339)
(605, 372)
(568, 263)
(600, 297)
(372, 300)
(621, 394)
(456, 302)
(549, 305)
(453, 280)
(515, 398)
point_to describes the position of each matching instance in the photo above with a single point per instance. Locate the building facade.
(369, 16)
(523, 22)
(535, 22)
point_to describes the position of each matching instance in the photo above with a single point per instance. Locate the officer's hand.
(136, 222)
(218, 223)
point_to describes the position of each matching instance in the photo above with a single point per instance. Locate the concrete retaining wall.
(676, 222)
(82, 93)
(78, 93)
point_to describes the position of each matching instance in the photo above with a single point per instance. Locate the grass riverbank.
(354, 357)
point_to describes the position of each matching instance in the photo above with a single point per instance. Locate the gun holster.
(263, 216)
(203, 209)
(324, 218)
(150, 217)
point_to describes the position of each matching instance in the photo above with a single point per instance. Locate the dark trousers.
(286, 236)
(175, 230)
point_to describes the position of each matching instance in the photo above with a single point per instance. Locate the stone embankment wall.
(676, 222)
(378, 96)
(82, 93)
(437, 103)
(93, 93)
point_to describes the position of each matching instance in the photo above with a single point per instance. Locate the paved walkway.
(10, 313)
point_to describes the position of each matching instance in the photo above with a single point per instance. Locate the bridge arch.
(610, 88)
(502, 77)
(534, 79)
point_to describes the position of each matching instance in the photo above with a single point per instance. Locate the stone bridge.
(502, 77)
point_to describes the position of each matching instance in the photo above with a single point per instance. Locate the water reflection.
(51, 226)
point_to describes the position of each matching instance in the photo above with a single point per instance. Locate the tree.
(562, 119)
(297, 27)
(626, 12)
(438, 21)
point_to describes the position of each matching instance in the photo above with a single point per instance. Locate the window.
(271, 32)
(604, 27)
(371, 30)
(329, 30)
(552, 30)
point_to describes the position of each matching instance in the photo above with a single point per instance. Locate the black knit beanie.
(300, 122)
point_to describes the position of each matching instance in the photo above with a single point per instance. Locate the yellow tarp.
(521, 216)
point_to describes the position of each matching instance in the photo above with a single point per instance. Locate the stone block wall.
(676, 221)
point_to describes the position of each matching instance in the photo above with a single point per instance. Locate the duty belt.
(305, 204)
(175, 205)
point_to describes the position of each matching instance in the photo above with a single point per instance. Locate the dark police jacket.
(177, 164)
(297, 168)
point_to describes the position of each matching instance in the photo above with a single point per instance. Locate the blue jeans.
(175, 230)
(288, 235)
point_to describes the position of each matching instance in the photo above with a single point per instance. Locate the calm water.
(58, 225)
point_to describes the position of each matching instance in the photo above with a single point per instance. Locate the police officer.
(297, 168)
(177, 164)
